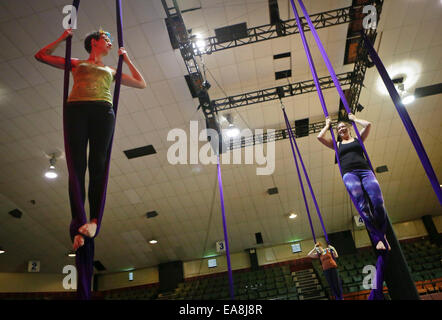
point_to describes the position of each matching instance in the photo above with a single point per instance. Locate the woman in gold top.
(90, 118)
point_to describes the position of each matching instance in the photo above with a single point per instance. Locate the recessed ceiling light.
(293, 216)
(153, 241)
(71, 254)
(2, 251)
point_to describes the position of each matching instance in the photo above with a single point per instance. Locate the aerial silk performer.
(353, 161)
(89, 114)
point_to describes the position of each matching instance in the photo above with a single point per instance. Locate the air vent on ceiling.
(272, 191)
(381, 169)
(15, 213)
(151, 214)
(428, 90)
(301, 128)
(282, 55)
(283, 74)
(99, 266)
(140, 152)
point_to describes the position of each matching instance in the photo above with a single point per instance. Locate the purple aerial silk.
(294, 144)
(85, 255)
(226, 238)
(405, 118)
(381, 257)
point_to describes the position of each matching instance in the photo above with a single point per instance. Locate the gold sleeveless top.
(91, 83)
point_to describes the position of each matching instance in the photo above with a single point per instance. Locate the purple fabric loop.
(331, 71)
(226, 239)
(85, 255)
(405, 118)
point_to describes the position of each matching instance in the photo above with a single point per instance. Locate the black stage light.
(359, 107)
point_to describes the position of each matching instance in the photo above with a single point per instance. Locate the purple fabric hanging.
(414, 136)
(226, 238)
(115, 106)
(85, 255)
(292, 139)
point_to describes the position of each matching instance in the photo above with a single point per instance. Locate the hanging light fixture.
(406, 97)
(232, 131)
(292, 215)
(51, 173)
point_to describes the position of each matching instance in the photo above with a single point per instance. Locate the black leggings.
(88, 122)
(334, 282)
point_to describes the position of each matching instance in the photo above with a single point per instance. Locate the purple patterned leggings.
(365, 190)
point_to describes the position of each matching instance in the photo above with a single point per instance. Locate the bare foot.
(78, 242)
(380, 246)
(88, 229)
(389, 248)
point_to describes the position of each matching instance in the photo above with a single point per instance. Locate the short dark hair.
(88, 41)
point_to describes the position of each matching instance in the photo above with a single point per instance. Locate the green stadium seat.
(277, 272)
(428, 266)
(416, 277)
(417, 268)
(270, 286)
(282, 291)
(292, 296)
(292, 290)
(354, 289)
(353, 273)
(272, 293)
(253, 296)
(357, 279)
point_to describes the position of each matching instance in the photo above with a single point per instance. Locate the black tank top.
(351, 156)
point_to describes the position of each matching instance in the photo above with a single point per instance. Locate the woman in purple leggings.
(361, 182)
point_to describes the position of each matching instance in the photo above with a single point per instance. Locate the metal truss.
(279, 134)
(189, 51)
(282, 29)
(292, 89)
(361, 63)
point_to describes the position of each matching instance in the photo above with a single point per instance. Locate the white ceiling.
(31, 127)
